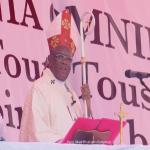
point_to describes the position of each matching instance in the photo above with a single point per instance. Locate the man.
(52, 106)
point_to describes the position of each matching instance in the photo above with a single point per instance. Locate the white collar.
(50, 76)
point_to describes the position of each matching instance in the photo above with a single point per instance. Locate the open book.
(104, 130)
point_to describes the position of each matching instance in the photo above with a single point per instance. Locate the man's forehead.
(61, 50)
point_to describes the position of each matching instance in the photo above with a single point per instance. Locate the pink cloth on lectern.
(87, 124)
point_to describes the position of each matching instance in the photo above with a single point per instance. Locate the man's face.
(60, 62)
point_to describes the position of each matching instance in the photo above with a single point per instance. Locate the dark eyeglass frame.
(61, 57)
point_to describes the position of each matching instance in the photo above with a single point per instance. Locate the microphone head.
(128, 73)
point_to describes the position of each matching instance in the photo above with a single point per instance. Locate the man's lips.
(63, 69)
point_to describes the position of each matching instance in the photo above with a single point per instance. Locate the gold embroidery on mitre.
(66, 24)
(66, 11)
(65, 40)
(72, 46)
(54, 42)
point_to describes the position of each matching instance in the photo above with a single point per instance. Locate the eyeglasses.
(62, 57)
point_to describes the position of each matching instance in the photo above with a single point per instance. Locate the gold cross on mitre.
(122, 114)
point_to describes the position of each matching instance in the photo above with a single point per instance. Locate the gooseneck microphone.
(137, 74)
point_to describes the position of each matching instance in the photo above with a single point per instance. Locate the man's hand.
(85, 90)
(86, 95)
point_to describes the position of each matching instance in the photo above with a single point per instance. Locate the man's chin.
(61, 75)
(62, 78)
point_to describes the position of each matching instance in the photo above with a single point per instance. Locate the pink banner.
(120, 41)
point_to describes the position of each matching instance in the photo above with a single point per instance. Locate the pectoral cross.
(122, 114)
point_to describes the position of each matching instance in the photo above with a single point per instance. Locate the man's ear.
(47, 61)
(49, 57)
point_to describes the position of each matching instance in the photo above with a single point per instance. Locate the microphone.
(137, 74)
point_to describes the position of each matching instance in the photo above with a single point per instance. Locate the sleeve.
(41, 119)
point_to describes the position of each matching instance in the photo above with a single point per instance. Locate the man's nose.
(67, 62)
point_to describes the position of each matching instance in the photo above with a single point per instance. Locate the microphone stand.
(143, 83)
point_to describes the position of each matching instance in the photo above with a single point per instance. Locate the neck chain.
(72, 97)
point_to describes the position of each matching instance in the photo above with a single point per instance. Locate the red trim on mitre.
(63, 38)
